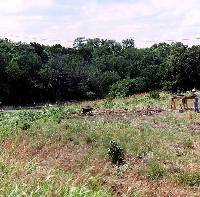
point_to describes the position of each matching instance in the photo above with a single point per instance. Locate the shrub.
(26, 126)
(116, 153)
(121, 88)
(127, 87)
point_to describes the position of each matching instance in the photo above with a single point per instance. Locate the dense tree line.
(93, 68)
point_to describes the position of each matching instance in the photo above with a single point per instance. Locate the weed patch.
(155, 170)
(191, 179)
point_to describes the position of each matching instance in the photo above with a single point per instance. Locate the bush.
(120, 88)
(26, 126)
(116, 153)
(127, 87)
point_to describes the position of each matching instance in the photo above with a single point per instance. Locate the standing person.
(196, 100)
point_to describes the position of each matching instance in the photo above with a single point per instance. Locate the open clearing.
(56, 151)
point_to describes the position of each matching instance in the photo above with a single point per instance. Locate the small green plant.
(116, 153)
(3, 170)
(93, 183)
(154, 95)
(57, 114)
(30, 116)
(91, 138)
(155, 170)
(108, 102)
(91, 95)
(191, 179)
(26, 126)
(30, 167)
(188, 143)
(136, 194)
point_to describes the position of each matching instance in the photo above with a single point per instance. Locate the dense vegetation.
(93, 68)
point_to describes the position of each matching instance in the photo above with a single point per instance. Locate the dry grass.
(64, 151)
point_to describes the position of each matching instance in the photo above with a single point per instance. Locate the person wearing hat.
(196, 100)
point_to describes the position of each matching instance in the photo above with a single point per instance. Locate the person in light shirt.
(196, 100)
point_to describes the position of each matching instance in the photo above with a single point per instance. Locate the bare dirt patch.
(194, 127)
(121, 112)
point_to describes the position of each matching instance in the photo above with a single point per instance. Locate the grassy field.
(56, 151)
